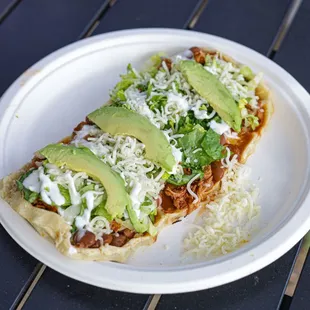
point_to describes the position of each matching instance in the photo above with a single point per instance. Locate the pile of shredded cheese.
(229, 220)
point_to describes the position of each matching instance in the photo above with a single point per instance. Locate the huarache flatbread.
(195, 179)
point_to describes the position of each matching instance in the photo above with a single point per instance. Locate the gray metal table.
(31, 29)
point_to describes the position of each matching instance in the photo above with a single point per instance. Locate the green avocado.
(83, 160)
(247, 73)
(138, 226)
(211, 89)
(121, 121)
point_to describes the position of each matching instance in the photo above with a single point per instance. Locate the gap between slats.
(93, 24)
(8, 10)
(284, 27)
(28, 287)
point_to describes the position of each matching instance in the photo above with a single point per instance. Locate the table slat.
(252, 23)
(293, 54)
(301, 298)
(17, 267)
(141, 13)
(56, 291)
(261, 290)
(36, 28)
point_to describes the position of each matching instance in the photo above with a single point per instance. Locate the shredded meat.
(187, 171)
(128, 233)
(115, 226)
(181, 198)
(199, 55)
(205, 185)
(168, 63)
(42, 205)
(36, 162)
(80, 126)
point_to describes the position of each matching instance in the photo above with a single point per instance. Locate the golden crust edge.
(52, 226)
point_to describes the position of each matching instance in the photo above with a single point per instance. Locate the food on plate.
(172, 136)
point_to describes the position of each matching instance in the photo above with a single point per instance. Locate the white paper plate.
(47, 101)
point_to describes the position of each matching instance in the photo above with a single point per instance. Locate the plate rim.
(149, 285)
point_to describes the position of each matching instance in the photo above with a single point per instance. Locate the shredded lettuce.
(200, 147)
(188, 122)
(183, 179)
(212, 146)
(65, 193)
(152, 215)
(157, 102)
(140, 227)
(127, 80)
(154, 64)
(152, 230)
(100, 210)
(83, 207)
(87, 188)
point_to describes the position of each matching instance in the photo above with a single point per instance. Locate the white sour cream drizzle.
(74, 195)
(134, 195)
(32, 182)
(38, 182)
(83, 220)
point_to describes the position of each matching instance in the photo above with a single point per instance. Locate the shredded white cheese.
(229, 220)
(188, 187)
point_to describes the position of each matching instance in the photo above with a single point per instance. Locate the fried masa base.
(53, 227)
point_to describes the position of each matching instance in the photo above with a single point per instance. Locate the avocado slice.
(121, 121)
(138, 226)
(83, 160)
(210, 88)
